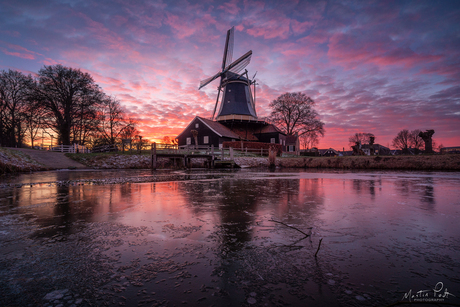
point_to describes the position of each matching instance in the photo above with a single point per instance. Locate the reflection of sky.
(371, 66)
(378, 228)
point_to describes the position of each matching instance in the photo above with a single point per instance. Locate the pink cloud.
(230, 7)
(18, 51)
(348, 50)
(18, 54)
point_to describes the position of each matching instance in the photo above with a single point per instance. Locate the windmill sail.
(228, 50)
(240, 64)
(237, 100)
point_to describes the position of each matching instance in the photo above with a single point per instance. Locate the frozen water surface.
(222, 238)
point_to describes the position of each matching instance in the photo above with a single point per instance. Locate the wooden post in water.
(212, 156)
(154, 155)
(272, 157)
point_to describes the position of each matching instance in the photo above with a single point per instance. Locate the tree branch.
(306, 235)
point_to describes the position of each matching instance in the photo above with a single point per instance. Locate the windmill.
(237, 100)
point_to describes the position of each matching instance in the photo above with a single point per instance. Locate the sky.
(370, 66)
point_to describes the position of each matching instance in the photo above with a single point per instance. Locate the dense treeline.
(63, 100)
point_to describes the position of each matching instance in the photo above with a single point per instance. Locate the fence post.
(272, 157)
(222, 152)
(154, 155)
(261, 152)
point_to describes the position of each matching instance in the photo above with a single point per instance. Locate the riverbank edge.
(420, 162)
(15, 162)
(12, 161)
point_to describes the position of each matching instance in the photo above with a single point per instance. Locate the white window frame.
(205, 139)
(189, 141)
(273, 140)
(197, 125)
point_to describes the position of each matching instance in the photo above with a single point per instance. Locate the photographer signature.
(438, 294)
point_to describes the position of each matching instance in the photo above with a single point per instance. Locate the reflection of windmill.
(237, 100)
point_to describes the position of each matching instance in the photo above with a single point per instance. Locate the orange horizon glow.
(370, 67)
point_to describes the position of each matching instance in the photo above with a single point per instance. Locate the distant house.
(378, 149)
(450, 150)
(293, 144)
(328, 152)
(216, 132)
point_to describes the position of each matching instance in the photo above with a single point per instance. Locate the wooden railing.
(75, 148)
(218, 151)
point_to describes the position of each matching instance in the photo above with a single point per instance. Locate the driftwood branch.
(319, 245)
(306, 235)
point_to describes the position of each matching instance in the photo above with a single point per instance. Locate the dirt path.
(51, 160)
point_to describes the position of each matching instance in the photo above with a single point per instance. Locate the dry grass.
(15, 161)
(420, 162)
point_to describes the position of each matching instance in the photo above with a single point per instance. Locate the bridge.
(213, 159)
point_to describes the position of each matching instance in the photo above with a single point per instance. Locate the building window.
(281, 142)
(272, 140)
(220, 146)
(189, 141)
(197, 125)
(205, 139)
(291, 148)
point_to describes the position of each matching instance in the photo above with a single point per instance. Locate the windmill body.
(234, 88)
(237, 99)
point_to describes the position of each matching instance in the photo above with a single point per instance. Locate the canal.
(229, 238)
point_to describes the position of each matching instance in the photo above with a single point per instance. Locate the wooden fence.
(226, 151)
(75, 148)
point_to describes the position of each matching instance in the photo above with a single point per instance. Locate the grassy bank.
(419, 162)
(14, 161)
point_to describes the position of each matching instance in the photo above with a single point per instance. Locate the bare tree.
(361, 137)
(86, 125)
(166, 140)
(130, 131)
(113, 121)
(440, 147)
(415, 141)
(293, 112)
(15, 89)
(309, 140)
(402, 140)
(67, 95)
(33, 121)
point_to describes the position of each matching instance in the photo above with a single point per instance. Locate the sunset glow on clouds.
(376, 67)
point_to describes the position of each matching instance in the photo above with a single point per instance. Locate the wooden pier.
(213, 160)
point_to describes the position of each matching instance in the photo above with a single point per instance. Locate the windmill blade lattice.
(228, 50)
(206, 81)
(239, 64)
